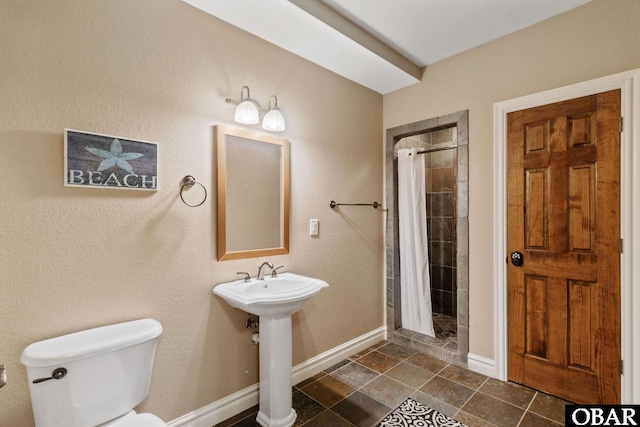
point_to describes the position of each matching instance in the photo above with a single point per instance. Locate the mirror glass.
(253, 194)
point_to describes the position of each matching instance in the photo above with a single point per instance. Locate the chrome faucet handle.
(247, 277)
(274, 272)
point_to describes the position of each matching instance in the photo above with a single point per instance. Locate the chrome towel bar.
(333, 204)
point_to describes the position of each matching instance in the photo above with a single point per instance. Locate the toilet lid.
(140, 420)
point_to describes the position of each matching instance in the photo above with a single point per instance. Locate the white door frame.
(629, 83)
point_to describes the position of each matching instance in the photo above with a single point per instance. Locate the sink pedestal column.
(275, 373)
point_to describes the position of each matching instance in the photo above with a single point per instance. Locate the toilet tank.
(108, 373)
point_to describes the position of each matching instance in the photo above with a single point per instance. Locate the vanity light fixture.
(248, 112)
(273, 120)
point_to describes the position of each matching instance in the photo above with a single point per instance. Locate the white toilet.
(94, 377)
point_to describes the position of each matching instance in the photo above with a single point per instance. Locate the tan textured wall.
(598, 39)
(73, 258)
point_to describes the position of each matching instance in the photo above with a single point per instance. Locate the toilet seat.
(138, 420)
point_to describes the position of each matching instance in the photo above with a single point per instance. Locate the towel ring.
(190, 181)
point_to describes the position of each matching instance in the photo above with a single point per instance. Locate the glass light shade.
(247, 112)
(273, 120)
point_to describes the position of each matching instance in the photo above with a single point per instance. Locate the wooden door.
(563, 302)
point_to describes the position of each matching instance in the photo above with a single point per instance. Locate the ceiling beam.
(330, 17)
(293, 28)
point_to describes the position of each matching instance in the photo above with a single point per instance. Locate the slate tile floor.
(364, 388)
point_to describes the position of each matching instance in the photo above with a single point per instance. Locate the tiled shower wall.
(441, 220)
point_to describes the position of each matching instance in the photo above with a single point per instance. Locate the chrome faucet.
(260, 270)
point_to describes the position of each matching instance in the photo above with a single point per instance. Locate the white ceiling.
(381, 44)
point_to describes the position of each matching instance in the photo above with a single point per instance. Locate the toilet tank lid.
(88, 343)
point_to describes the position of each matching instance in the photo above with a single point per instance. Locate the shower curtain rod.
(433, 150)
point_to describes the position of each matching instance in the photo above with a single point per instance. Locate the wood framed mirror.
(253, 194)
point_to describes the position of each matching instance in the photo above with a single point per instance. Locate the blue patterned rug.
(414, 414)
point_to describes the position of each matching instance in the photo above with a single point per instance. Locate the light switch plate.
(314, 226)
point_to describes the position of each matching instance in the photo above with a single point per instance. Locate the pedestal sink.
(274, 299)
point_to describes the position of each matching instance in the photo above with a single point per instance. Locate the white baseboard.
(219, 410)
(329, 358)
(233, 404)
(481, 365)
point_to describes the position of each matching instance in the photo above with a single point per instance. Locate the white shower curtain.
(414, 248)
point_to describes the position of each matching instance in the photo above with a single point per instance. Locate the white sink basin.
(273, 296)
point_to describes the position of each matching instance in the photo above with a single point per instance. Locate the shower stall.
(443, 144)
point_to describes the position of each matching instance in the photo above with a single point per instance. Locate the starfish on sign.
(114, 157)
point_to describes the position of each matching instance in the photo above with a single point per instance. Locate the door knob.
(517, 258)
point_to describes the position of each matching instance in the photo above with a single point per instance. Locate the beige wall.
(598, 39)
(73, 258)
